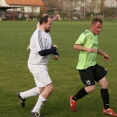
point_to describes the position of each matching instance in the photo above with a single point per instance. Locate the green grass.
(15, 76)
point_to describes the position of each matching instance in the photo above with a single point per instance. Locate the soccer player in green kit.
(88, 68)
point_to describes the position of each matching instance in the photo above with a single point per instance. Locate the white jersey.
(39, 41)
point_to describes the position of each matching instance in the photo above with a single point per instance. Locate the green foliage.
(15, 76)
(110, 11)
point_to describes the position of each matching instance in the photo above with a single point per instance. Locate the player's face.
(48, 25)
(96, 28)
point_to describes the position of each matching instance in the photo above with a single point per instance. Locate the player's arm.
(82, 48)
(81, 41)
(48, 51)
(79, 47)
(103, 54)
(40, 46)
(56, 53)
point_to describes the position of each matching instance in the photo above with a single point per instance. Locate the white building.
(26, 5)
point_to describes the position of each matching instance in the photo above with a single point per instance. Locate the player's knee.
(50, 87)
(90, 89)
(104, 84)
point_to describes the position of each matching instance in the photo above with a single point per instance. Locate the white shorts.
(41, 77)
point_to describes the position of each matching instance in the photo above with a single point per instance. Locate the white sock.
(39, 104)
(32, 92)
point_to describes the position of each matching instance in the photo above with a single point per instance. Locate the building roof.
(25, 2)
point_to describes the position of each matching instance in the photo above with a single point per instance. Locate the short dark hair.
(95, 20)
(44, 19)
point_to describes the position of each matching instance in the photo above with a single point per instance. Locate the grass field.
(15, 76)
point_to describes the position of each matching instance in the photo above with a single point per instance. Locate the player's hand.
(55, 46)
(106, 57)
(55, 57)
(91, 50)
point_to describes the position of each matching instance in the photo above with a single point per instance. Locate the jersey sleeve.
(81, 39)
(47, 51)
(39, 41)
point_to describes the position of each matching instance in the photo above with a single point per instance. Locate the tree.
(102, 6)
(66, 7)
(51, 5)
(110, 9)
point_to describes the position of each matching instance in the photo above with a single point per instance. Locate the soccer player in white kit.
(40, 50)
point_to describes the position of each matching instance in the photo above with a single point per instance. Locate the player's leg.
(45, 85)
(29, 93)
(88, 80)
(43, 97)
(105, 97)
(23, 95)
(47, 90)
(104, 92)
(100, 73)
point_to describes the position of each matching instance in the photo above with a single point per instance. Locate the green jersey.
(87, 59)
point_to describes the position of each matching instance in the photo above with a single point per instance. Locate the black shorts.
(92, 74)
